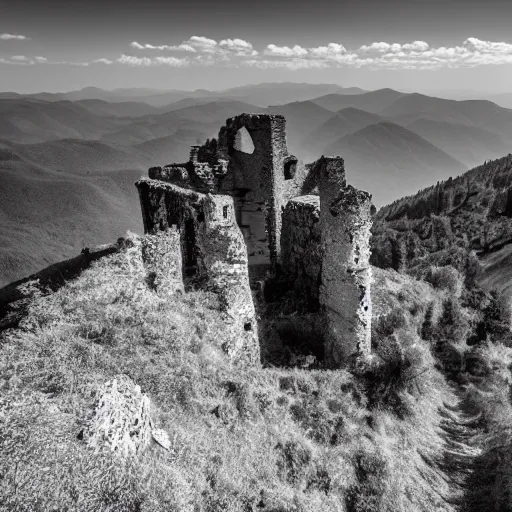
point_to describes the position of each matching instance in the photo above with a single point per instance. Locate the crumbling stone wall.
(161, 254)
(345, 222)
(325, 257)
(301, 252)
(213, 254)
(320, 244)
(262, 177)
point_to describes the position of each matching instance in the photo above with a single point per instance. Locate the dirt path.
(462, 432)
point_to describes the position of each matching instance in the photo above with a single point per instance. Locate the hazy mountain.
(121, 109)
(279, 93)
(258, 94)
(390, 161)
(480, 113)
(468, 144)
(373, 101)
(213, 111)
(346, 121)
(301, 118)
(47, 215)
(169, 149)
(503, 100)
(75, 156)
(28, 121)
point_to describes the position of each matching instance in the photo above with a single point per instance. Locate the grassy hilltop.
(398, 432)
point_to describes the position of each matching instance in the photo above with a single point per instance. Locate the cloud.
(146, 46)
(131, 60)
(202, 44)
(285, 51)
(203, 51)
(18, 37)
(239, 47)
(293, 64)
(101, 61)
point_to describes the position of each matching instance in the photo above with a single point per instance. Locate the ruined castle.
(243, 209)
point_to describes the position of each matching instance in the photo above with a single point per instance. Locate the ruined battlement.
(199, 245)
(245, 208)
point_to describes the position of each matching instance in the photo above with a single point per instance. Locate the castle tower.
(345, 222)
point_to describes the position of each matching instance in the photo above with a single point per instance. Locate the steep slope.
(389, 160)
(373, 101)
(468, 144)
(465, 222)
(344, 122)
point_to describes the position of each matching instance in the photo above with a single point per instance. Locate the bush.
(367, 495)
(445, 278)
(386, 325)
(391, 374)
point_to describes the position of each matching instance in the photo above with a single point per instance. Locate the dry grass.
(241, 440)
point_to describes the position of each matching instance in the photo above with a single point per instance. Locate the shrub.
(366, 495)
(389, 375)
(386, 325)
(445, 278)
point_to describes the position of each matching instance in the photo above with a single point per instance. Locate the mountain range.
(68, 160)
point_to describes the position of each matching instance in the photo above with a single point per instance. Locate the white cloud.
(101, 61)
(134, 61)
(203, 51)
(147, 46)
(153, 61)
(293, 64)
(202, 44)
(7, 37)
(329, 51)
(285, 51)
(239, 47)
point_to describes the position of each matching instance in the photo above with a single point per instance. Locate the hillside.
(301, 118)
(51, 210)
(29, 121)
(483, 114)
(121, 109)
(465, 221)
(390, 161)
(344, 122)
(265, 437)
(470, 145)
(395, 432)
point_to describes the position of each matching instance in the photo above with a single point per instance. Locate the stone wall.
(213, 255)
(345, 222)
(301, 253)
(255, 146)
(161, 254)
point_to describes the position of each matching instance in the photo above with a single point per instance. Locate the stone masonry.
(202, 230)
(244, 209)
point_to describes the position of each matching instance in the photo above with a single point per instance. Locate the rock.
(120, 420)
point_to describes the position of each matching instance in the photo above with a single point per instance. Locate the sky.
(410, 45)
